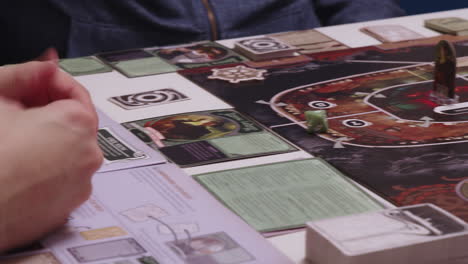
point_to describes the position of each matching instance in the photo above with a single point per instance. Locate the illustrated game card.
(197, 55)
(198, 138)
(150, 98)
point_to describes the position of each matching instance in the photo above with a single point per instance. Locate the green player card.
(136, 63)
(286, 195)
(83, 66)
(144, 67)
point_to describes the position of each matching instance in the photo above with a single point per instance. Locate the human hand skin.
(48, 150)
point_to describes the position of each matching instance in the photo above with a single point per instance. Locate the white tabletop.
(293, 245)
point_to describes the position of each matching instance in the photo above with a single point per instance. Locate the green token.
(316, 121)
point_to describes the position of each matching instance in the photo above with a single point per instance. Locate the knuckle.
(76, 115)
(96, 158)
(85, 192)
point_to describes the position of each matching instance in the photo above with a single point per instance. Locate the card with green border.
(136, 63)
(144, 67)
(83, 66)
(286, 195)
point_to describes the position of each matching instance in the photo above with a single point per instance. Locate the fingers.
(78, 123)
(63, 86)
(7, 105)
(49, 54)
(23, 82)
(74, 113)
(40, 83)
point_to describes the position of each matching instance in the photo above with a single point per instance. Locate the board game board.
(384, 131)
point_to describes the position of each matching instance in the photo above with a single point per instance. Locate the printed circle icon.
(356, 123)
(321, 105)
(151, 98)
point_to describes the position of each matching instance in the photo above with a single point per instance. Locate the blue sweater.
(83, 27)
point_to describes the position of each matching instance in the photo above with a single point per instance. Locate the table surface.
(293, 244)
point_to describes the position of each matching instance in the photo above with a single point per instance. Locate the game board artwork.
(384, 129)
(383, 109)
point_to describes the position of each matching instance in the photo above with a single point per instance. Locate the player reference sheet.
(285, 195)
(150, 215)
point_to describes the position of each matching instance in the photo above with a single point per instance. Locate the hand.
(36, 84)
(48, 150)
(49, 54)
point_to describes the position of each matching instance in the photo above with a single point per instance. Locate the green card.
(83, 66)
(251, 144)
(144, 67)
(285, 195)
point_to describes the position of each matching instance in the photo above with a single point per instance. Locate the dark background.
(413, 7)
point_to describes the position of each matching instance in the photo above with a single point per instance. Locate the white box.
(419, 234)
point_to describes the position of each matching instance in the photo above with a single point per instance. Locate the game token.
(148, 98)
(391, 33)
(237, 74)
(449, 25)
(309, 41)
(316, 121)
(265, 48)
(462, 189)
(445, 72)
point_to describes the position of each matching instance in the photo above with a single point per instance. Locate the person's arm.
(48, 150)
(334, 12)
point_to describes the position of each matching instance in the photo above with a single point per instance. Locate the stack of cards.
(418, 234)
(264, 48)
(391, 33)
(448, 25)
(309, 41)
